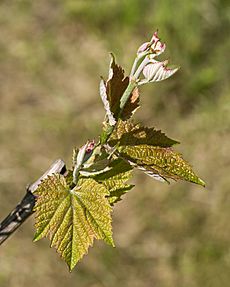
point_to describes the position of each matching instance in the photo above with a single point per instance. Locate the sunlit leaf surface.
(72, 218)
(115, 180)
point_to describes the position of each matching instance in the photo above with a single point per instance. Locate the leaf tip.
(36, 237)
(112, 56)
(71, 266)
(201, 182)
(113, 244)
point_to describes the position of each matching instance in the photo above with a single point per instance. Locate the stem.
(135, 63)
(134, 66)
(141, 67)
(17, 216)
(132, 85)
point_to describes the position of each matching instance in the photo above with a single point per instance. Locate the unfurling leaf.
(157, 71)
(126, 133)
(146, 65)
(72, 218)
(105, 101)
(115, 179)
(111, 92)
(154, 47)
(164, 162)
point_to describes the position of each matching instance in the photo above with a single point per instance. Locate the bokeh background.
(51, 56)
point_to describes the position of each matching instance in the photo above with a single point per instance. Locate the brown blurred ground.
(51, 56)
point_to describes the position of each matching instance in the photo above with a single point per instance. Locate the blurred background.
(52, 54)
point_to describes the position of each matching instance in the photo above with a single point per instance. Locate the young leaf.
(149, 150)
(112, 91)
(105, 101)
(157, 71)
(127, 133)
(164, 162)
(154, 47)
(72, 218)
(115, 180)
(132, 105)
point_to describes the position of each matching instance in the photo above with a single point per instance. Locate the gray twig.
(25, 208)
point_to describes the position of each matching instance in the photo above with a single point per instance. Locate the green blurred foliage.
(51, 56)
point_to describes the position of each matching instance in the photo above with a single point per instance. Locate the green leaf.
(115, 180)
(127, 133)
(111, 92)
(164, 162)
(72, 218)
(150, 151)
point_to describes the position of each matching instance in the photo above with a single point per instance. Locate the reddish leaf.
(112, 91)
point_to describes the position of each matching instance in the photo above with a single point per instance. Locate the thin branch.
(25, 208)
